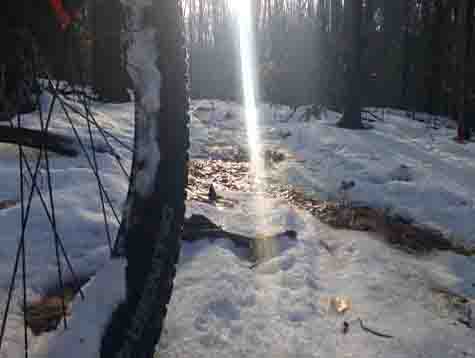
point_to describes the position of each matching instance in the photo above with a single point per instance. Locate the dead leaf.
(341, 304)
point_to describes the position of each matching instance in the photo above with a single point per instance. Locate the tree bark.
(462, 15)
(433, 79)
(352, 116)
(405, 56)
(36, 139)
(109, 75)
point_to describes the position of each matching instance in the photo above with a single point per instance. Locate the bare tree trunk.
(405, 56)
(462, 14)
(109, 75)
(433, 79)
(352, 116)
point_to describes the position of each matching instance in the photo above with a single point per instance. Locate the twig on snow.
(372, 115)
(372, 331)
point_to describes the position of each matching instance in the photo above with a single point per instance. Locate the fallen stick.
(372, 115)
(372, 331)
(38, 139)
(451, 293)
(199, 227)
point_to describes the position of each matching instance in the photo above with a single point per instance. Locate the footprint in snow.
(402, 173)
(224, 309)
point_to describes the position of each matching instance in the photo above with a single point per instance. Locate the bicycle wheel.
(155, 205)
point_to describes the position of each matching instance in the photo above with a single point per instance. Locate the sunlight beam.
(243, 11)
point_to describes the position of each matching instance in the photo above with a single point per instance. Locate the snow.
(401, 165)
(142, 56)
(79, 217)
(142, 66)
(149, 155)
(221, 305)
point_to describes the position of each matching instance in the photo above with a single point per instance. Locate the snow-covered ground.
(282, 308)
(402, 165)
(78, 211)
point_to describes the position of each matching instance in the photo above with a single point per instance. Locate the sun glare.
(244, 14)
(243, 11)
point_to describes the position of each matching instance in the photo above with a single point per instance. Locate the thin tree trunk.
(433, 79)
(405, 56)
(352, 116)
(109, 75)
(461, 67)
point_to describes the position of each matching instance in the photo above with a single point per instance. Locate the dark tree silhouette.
(461, 67)
(31, 29)
(352, 115)
(109, 75)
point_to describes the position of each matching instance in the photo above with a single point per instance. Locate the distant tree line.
(411, 54)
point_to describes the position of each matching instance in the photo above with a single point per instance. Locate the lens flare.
(262, 206)
(263, 247)
(243, 11)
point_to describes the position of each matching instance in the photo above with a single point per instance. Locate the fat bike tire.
(153, 223)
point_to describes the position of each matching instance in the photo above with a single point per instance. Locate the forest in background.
(410, 51)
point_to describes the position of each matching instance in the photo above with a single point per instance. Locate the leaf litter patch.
(399, 232)
(46, 313)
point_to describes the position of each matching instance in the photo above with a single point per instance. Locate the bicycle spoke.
(91, 165)
(36, 175)
(54, 227)
(56, 234)
(109, 240)
(89, 118)
(23, 256)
